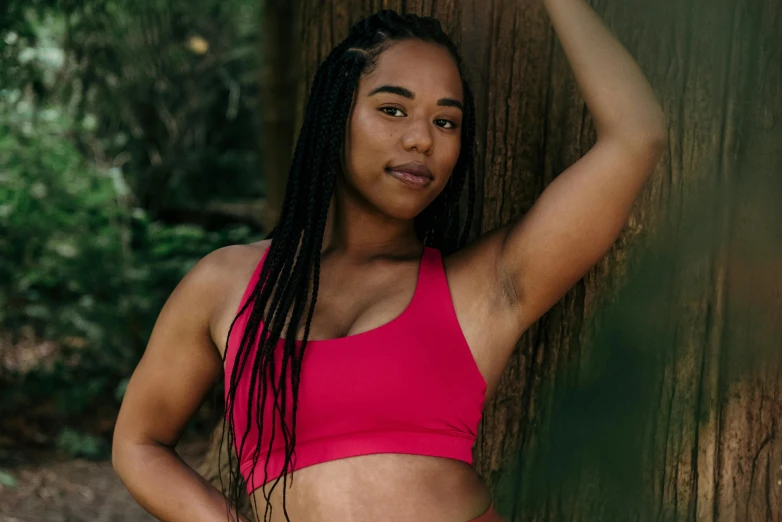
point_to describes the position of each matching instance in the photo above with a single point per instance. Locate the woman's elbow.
(119, 452)
(656, 134)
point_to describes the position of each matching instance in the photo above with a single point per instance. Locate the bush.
(80, 267)
(109, 113)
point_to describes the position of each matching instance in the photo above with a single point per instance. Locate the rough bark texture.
(652, 391)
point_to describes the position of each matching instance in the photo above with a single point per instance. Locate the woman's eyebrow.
(407, 93)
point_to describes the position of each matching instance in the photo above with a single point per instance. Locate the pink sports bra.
(409, 386)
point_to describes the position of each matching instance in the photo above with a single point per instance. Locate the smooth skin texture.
(501, 283)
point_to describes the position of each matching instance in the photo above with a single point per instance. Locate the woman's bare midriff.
(380, 488)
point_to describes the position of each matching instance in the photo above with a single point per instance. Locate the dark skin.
(500, 284)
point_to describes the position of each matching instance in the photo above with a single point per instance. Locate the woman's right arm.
(181, 364)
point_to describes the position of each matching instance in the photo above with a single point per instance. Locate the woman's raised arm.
(580, 214)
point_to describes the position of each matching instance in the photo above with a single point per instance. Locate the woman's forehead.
(426, 69)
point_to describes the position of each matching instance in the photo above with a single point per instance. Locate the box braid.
(293, 259)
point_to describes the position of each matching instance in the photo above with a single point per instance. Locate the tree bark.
(652, 391)
(279, 49)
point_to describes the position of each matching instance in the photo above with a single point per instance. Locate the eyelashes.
(390, 111)
(384, 109)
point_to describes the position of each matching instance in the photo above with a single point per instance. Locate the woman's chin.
(404, 212)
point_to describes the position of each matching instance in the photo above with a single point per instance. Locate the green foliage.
(80, 267)
(112, 114)
(61, 234)
(166, 90)
(7, 480)
(77, 444)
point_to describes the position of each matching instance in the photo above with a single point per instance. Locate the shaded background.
(137, 137)
(129, 131)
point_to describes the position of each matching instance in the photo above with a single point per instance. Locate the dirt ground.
(58, 490)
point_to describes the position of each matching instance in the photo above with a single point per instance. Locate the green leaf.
(7, 480)
(77, 444)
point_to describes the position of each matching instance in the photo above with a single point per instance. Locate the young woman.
(364, 333)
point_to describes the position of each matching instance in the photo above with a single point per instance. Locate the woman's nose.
(418, 136)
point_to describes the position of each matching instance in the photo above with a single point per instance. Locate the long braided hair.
(293, 259)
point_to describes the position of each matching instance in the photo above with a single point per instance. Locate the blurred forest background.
(135, 137)
(129, 137)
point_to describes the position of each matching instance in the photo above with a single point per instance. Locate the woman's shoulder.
(229, 265)
(222, 271)
(219, 280)
(233, 257)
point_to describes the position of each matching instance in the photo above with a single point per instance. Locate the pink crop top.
(408, 386)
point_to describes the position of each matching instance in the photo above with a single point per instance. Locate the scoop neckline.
(385, 326)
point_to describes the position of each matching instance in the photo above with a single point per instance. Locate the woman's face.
(407, 114)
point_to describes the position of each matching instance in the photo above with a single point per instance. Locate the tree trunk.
(279, 49)
(652, 391)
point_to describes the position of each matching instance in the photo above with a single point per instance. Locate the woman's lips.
(410, 179)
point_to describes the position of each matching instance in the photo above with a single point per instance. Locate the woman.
(390, 333)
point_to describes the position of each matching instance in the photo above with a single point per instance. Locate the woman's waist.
(381, 488)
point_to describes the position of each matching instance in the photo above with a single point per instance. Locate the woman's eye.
(391, 110)
(442, 123)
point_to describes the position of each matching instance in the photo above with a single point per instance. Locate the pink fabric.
(489, 516)
(408, 386)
